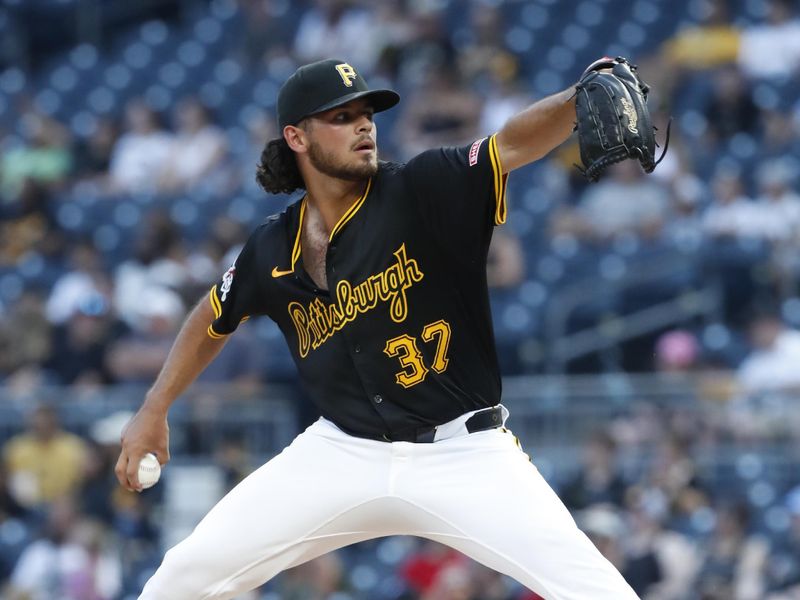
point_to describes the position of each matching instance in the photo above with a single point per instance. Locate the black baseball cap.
(323, 85)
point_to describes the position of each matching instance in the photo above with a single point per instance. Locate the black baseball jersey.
(403, 337)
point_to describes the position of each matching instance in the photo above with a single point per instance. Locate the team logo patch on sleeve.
(227, 281)
(473, 152)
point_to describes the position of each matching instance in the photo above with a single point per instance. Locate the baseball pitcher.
(377, 279)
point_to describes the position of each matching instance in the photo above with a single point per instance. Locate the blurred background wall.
(647, 326)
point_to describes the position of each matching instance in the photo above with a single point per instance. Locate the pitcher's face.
(341, 141)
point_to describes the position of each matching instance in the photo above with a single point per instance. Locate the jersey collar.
(350, 211)
(297, 247)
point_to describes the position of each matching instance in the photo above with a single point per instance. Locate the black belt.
(489, 418)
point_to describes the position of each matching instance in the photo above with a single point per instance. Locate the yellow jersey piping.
(500, 180)
(351, 211)
(215, 305)
(296, 249)
(213, 334)
(217, 308)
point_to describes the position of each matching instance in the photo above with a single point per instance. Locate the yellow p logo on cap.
(347, 73)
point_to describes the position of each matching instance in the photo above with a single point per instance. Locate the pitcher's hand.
(147, 431)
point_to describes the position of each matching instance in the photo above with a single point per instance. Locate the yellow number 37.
(405, 348)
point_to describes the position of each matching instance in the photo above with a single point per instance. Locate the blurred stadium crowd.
(127, 187)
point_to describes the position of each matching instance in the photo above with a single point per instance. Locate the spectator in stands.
(442, 112)
(421, 569)
(733, 561)
(711, 43)
(198, 149)
(779, 134)
(225, 240)
(392, 34)
(624, 202)
(42, 156)
(141, 152)
(771, 367)
(779, 214)
(677, 351)
(491, 585)
(13, 518)
(134, 523)
(506, 97)
(453, 582)
(33, 576)
(730, 110)
(736, 245)
(265, 31)
(71, 561)
(783, 567)
(430, 47)
(93, 153)
(668, 558)
(99, 486)
(96, 570)
(772, 50)
(731, 214)
(673, 474)
(138, 356)
(159, 259)
(25, 342)
(485, 57)
(9, 507)
(598, 481)
(338, 28)
(44, 462)
(490, 67)
(778, 203)
(27, 223)
(318, 579)
(683, 229)
(240, 364)
(80, 344)
(606, 528)
(505, 267)
(233, 459)
(85, 277)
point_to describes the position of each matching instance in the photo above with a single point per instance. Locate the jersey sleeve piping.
(218, 336)
(217, 308)
(215, 305)
(500, 180)
(213, 334)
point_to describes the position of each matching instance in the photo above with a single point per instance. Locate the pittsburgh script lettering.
(319, 321)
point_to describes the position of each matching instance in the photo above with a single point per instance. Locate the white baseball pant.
(478, 493)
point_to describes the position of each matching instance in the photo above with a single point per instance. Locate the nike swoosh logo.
(277, 273)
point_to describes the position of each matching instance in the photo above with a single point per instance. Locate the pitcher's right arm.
(148, 430)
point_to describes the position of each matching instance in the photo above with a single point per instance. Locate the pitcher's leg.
(303, 503)
(482, 496)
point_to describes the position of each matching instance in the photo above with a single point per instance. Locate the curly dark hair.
(277, 173)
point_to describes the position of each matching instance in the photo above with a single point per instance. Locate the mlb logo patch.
(473, 152)
(227, 281)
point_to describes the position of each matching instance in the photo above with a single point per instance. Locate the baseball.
(149, 470)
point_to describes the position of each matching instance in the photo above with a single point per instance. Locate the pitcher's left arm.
(534, 132)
